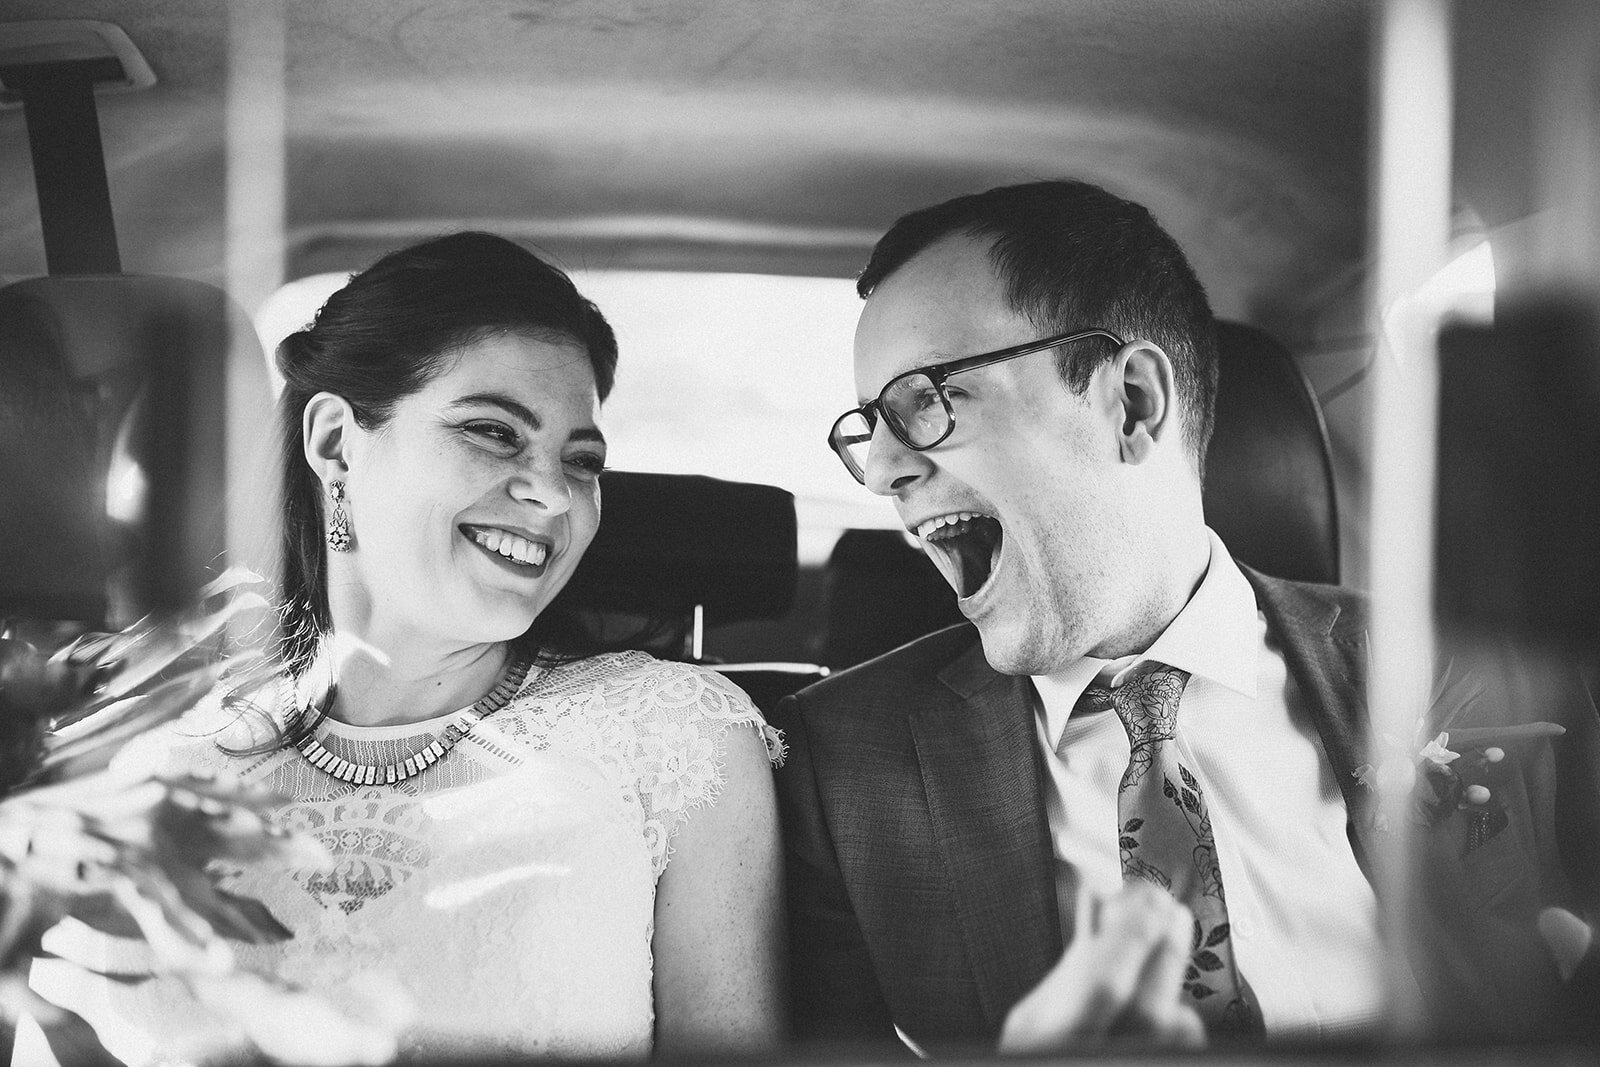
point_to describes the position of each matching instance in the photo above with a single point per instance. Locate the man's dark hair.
(1072, 255)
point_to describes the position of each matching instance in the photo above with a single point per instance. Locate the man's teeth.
(517, 549)
(926, 529)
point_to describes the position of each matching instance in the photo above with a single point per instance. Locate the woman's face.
(470, 508)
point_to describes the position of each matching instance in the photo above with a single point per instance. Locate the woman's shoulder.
(654, 694)
(673, 729)
(637, 672)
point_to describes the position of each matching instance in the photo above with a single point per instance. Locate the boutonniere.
(1448, 773)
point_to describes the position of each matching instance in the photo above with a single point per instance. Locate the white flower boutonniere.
(1448, 773)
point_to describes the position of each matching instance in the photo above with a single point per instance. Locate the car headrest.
(112, 411)
(669, 542)
(1269, 488)
(881, 592)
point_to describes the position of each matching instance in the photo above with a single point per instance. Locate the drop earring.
(339, 526)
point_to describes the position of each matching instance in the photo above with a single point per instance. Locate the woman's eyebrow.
(518, 410)
(510, 406)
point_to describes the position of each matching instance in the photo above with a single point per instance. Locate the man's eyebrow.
(519, 410)
(931, 360)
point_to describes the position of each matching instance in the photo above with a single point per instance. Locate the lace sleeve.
(684, 716)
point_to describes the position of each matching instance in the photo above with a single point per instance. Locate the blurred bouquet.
(131, 857)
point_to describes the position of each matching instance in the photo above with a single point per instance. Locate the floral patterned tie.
(1165, 838)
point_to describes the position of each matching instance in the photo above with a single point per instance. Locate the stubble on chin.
(1025, 650)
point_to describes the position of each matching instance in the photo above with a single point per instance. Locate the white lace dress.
(504, 896)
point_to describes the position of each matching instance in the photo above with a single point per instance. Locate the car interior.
(182, 182)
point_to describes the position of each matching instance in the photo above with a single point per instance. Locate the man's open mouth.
(965, 545)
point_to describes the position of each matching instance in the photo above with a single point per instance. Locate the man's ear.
(327, 428)
(1142, 377)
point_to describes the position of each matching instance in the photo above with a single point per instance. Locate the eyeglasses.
(916, 407)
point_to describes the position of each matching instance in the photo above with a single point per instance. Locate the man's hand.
(1122, 977)
(1577, 955)
(1568, 938)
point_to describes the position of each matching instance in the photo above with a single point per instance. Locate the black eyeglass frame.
(937, 373)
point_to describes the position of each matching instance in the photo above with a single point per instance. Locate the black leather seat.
(112, 414)
(1269, 489)
(880, 592)
(677, 554)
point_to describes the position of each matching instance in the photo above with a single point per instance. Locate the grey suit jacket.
(919, 866)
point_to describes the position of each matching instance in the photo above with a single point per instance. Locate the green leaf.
(1207, 960)
(1218, 935)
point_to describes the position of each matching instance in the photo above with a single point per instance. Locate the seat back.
(880, 592)
(112, 411)
(1269, 488)
(677, 553)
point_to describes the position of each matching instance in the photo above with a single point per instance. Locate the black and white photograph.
(799, 531)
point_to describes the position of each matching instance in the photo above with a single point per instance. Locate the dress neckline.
(436, 724)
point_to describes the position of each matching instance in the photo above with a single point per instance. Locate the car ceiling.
(782, 135)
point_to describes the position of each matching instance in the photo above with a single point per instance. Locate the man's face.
(1021, 507)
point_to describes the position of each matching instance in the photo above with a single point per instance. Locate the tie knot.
(1146, 701)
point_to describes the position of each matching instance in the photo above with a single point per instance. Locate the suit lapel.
(979, 764)
(1325, 648)
(978, 758)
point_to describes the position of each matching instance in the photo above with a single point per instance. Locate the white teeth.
(928, 527)
(509, 545)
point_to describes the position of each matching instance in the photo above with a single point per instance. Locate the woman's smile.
(524, 554)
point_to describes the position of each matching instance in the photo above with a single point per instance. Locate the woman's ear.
(1142, 375)
(327, 429)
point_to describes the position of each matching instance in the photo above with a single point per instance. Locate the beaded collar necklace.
(295, 717)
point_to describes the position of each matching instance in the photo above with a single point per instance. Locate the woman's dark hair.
(386, 335)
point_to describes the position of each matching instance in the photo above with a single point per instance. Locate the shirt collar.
(1213, 637)
(1060, 691)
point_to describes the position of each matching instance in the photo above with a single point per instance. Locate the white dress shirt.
(1303, 916)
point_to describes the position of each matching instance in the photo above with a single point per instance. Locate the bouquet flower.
(132, 856)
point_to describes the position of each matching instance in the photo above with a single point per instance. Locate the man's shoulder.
(890, 680)
(1334, 609)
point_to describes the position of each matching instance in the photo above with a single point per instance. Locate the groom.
(1138, 750)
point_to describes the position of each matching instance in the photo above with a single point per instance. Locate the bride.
(535, 848)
